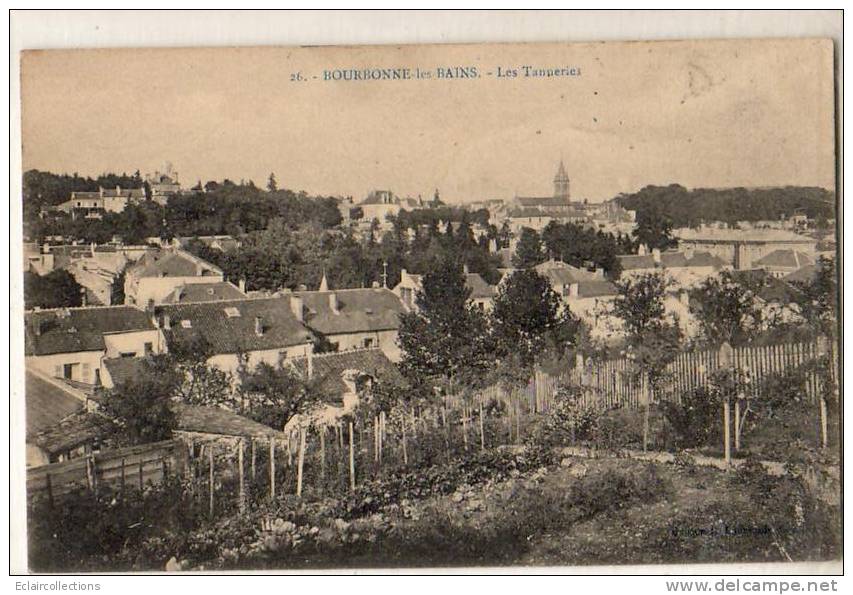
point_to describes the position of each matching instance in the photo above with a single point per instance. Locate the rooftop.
(712, 234)
(229, 325)
(204, 292)
(358, 310)
(788, 258)
(215, 420)
(48, 402)
(172, 263)
(71, 330)
(328, 368)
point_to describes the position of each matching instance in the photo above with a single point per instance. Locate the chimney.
(167, 322)
(83, 296)
(403, 273)
(92, 249)
(493, 245)
(573, 290)
(242, 285)
(36, 325)
(465, 268)
(641, 250)
(333, 302)
(296, 307)
(309, 359)
(656, 255)
(259, 326)
(118, 190)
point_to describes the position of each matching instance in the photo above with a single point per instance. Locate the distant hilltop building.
(743, 249)
(163, 184)
(381, 203)
(558, 203)
(93, 205)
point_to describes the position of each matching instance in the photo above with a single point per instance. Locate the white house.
(157, 274)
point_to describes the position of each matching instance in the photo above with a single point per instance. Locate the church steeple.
(561, 183)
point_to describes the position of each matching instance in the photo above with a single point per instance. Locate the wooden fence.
(618, 382)
(132, 467)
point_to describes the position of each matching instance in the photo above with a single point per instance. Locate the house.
(95, 204)
(684, 267)
(54, 431)
(482, 293)
(353, 318)
(381, 203)
(223, 243)
(781, 263)
(163, 185)
(742, 248)
(269, 329)
(205, 292)
(198, 423)
(157, 274)
(71, 343)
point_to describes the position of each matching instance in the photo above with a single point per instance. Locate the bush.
(696, 420)
(617, 488)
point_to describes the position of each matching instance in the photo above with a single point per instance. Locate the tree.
(139, 409)
(652, 336)
(726, 310)
(527, 318)
(445, 340)
(117, 287)
(57, 289)
(274, 394)
(198, 382)
(529, 252)
(272, 185)
(818, 300)
(654, 229)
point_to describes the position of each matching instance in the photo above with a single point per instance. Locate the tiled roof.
(215, 420)
(560, 273)
(359, 310)
(72, 330)
(631, 262)
(123, 192)
(203, 292)
(542, 201)
(122, 369)
(600, 288)
(47, 403)
(785, 258)
(527, 212)
(770, 289)
(738, 235)
(234, 333)
(328, 368)
(78, 429)
(803, 275)
(172, 263)
(480, 289)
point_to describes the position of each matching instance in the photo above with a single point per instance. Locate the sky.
(702, 114)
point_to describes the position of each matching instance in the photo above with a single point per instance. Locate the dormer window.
(186, 324)
(232, 312)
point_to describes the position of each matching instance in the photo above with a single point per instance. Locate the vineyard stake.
(824, 433)
(727, 446)
(253, 460)
(210, 463)
(323, 453)
(737, 425)
(122, 477)
(482, 429)
(141, 481)
(351, 460)
(272, 468)
(242, 478)
(405, 454)
(300, 461)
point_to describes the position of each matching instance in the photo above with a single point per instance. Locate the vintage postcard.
(431, 307)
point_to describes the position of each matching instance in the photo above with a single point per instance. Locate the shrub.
(696, 420)
(610, 489)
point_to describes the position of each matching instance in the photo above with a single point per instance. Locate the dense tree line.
(433, 215)
(689, 208)
(57, 289)
(573, 244)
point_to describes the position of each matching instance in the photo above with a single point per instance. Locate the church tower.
(561, 183)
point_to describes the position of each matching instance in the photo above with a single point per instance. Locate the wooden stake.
(300, 462)
(323, 453)
(482, 429)
(465, 426)
(351, 460)
(253, 460)
(737, 425)
(210, 463)
(122, 477)
(405, 454)
(824, 428)
(727, 446)
(272, 468)
(141, 480)
(242, 477)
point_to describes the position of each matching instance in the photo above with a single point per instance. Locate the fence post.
(646, 396)
(242, 478)
(210, 479)
(726, 363)
(737, 424)
(822, 350)
(351, 460)
(482, 429)
(272, 468)
(253, 461)
(300, 462)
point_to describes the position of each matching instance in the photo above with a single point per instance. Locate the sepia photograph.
(429, 306)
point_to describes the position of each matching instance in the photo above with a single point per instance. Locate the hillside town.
(334, 311)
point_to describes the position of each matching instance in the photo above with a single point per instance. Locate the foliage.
(530, 251)
(200, 383)
(689, 208)
(527, 318)
(139, 409)
(117, 288)
(57, 289)
(818, 300)
(726, 310)
(445, 340)
(582, 247)
(696, 420)
(274, 394)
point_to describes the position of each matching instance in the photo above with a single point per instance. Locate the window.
(127, 354)
(368, 342)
